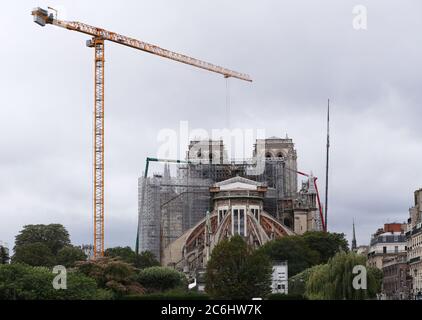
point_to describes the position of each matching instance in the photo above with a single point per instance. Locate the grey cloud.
(299, 53)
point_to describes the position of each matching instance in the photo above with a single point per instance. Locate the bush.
(112, 274)
(161, 279)
(23, 282)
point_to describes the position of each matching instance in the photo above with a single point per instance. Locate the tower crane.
(99, 35)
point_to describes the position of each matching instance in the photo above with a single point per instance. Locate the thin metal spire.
(326, 165)
(354, 245)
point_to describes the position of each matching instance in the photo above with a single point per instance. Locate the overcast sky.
(299, 53)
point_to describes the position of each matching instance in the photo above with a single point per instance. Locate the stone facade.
(414, 238)
(397, 283)
(387, 242)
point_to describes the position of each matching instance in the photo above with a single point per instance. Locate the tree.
(67, 256)
(34, 254)
(23, 282)
(123, 253)
(146, 259)
(375, 278)
(4, 255)
(295, 250)
(236, 271)
(327, 244)
(334, 280)
(156, 279)
(54, 236)
(297, 283)
(111, 274)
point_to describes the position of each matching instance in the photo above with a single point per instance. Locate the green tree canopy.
(4, 255)
(68, 255)
(161, 279)
(327, 244)
(111, 274)
(297, 283)
(236, 271)
(34, 254)
(123, 253)
(295, 250)
(54, 236)
(23, 282)
(334, 280)
(146, 259)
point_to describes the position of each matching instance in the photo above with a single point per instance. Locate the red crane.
(324, 227)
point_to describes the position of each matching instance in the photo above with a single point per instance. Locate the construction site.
(210, 197)
(172, 206)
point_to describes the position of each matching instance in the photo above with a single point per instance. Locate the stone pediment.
(238, 183)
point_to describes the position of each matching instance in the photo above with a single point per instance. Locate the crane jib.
(42, 17)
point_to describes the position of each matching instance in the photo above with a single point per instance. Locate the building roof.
(238, 183)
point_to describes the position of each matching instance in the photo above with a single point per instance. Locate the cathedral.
(182, 217)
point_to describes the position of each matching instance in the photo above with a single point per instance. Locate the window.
(221, 214)
(384, 249)
(255, 212)
(242, 222)
(238, 221)
(396, 249)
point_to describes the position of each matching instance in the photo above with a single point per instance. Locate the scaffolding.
(168, 206)
(171, 205)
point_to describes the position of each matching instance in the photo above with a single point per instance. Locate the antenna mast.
(326, 165)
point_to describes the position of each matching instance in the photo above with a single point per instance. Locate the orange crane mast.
(99, 36)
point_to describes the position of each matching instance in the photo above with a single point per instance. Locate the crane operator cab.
(42, 17)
